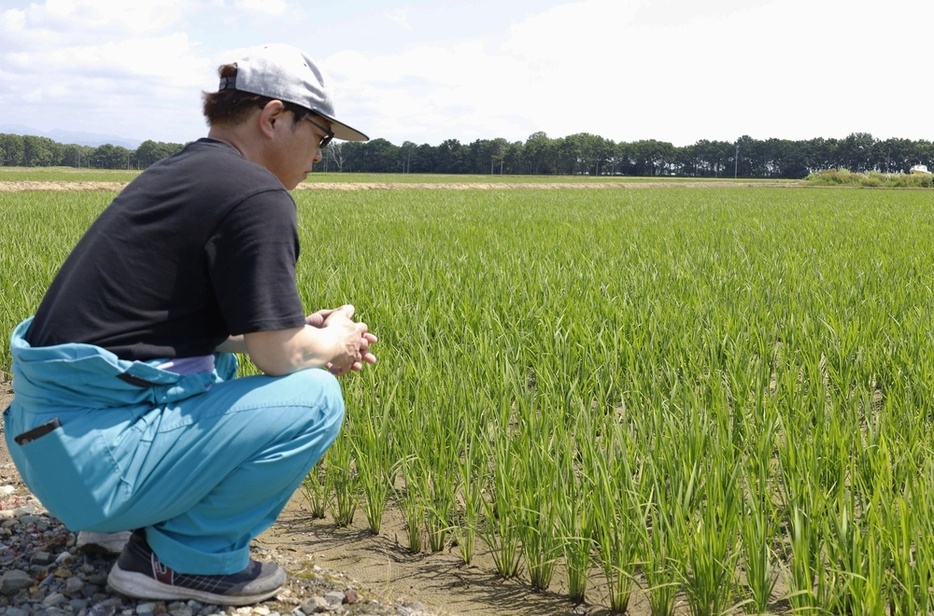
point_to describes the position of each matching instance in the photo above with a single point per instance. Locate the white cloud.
(578, 33)
(84, 66)
(72, 21)
(553, 69)
(265, 8)
(400, 17)
(638, 69)
(674, 70)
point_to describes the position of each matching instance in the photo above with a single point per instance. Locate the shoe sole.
(141, 586)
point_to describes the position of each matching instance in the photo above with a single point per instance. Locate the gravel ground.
(44, 573)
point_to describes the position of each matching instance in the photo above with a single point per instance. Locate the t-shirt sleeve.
(251, 259)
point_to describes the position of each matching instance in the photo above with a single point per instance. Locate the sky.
(430, 70)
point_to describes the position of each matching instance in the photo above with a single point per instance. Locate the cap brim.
(342, 131)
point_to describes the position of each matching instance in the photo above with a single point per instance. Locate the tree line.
(34, 151)
(578, 154)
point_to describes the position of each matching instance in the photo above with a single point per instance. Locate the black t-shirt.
(199, 246)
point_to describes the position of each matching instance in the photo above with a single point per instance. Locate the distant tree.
(695, 159)
(499, 149)
(600, 151)
(40, 151)
(651, 157)
(110, 156)
(744, 159)
(856, 152)
(790, 160)
(819, 154)
(539, 154)
(710, 158)
(13, 150)
(512, 158)
(383, 156)
(423, 160)
(406, 152)
(586, 153)
(923, 154)
(74, 155)
(375, 156)
(150, 152)
(567, 155)
(893, 155)
(352, 154)
(485, 156)
(687, 161)
(451, 157)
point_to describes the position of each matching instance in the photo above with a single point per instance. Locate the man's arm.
(338, 344)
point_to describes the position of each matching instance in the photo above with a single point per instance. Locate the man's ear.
(272, 112)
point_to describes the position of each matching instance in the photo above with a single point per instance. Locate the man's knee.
(321, 387)
(320, 392)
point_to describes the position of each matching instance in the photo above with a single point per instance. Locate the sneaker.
(105, 544)
(138, 573)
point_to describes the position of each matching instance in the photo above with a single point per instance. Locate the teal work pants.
(204, 462)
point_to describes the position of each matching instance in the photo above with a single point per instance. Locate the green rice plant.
(439, 518)
(810, 482)
(502, 536)
(574, 506)
(673, 491)
(805, 563)
(472, 480)
(439, 477)
(758, 531)
(411, 503)
(538, 501)
(342, 481)
(854, 554)
(711, 552)
(662, 537)
(910, 535)
(315, 491)
(374, 455)
(758, 522)
(617, 513)
(903, 581)
(806, 504)
(66, 174)
(469, 468)
(575, 520)
(502, 528)
(540, 543)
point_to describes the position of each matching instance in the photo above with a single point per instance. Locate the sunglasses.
(328, 135)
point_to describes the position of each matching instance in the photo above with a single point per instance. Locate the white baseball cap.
(285, 73)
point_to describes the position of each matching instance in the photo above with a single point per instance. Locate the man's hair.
(232, 107)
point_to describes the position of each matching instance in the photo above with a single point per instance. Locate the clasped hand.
(354, 339)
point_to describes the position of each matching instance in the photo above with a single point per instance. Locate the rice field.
(720, 398)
